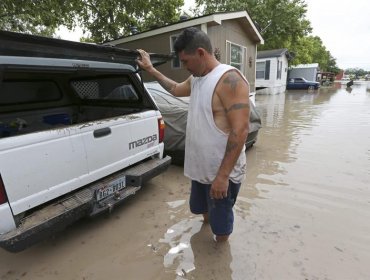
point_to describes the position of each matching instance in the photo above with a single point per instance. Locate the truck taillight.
(3, 197)
(161, 126)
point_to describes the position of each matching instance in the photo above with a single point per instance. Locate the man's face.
(192, 62)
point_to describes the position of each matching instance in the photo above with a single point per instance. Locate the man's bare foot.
(222, 238)
(205, 218)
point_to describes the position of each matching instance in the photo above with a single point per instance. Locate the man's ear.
(201, 51)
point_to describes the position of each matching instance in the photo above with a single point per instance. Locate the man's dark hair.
(191, 39)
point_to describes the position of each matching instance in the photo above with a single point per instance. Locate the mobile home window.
(263, 70)
(279, 69)
(260, 70)
(176, 63)
(236, 55)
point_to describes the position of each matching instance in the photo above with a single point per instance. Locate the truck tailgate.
(41, 166)
(112, 145)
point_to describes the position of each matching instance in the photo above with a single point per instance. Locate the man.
(217, 127)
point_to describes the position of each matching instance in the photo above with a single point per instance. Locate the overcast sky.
(344, 28)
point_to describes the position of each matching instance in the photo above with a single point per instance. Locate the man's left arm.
(233, 92)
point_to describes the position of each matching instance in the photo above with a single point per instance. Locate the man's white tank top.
(205, 143)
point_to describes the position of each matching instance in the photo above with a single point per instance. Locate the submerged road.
(302, 213)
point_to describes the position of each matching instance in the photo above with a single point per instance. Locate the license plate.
(111, 188)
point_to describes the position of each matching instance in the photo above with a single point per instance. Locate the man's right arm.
(176, 89)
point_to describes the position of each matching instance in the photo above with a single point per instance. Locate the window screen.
(115, 89)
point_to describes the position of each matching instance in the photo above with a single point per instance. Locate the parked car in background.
(174, 111)
(301, 83)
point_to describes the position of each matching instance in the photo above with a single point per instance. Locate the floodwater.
(302, 213)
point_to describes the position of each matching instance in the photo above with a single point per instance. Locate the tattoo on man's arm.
(237, 106)
(231, 146)
(232, 79)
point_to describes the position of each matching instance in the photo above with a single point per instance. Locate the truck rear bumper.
(63, 212)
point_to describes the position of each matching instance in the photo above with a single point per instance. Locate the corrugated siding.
(230, 30)
(159, 44)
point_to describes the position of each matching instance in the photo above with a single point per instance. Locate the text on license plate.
(111, 188)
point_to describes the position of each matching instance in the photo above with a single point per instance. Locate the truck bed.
(23, 122)
(78, 133)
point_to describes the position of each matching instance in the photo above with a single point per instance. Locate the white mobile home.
(271, 71)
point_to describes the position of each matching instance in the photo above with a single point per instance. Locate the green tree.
(280, 21)
(357, 72)
(100, 20)
(310, 49)
(332, 65)
(35, 16)
(106, 20)
(282, 24)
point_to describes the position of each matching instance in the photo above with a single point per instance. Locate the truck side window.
(16, 92)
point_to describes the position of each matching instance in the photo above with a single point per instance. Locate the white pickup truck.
(79, 133)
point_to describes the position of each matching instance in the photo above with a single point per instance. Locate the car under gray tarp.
(175, 112)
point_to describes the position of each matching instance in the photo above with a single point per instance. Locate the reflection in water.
(193, 254)
(349, 89)
(212, 260)
(287, 120)
(190, 251)
(180, 254)
(304, 210)
(311, 166)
